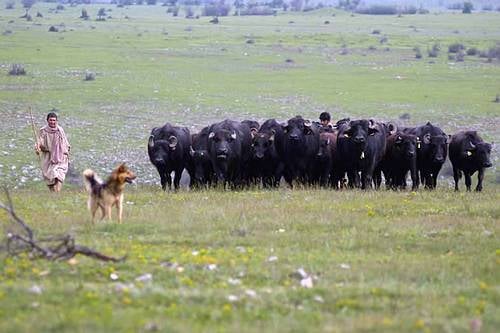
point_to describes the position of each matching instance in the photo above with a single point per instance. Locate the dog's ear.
(122, 167)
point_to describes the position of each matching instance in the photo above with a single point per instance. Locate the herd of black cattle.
(351, 153)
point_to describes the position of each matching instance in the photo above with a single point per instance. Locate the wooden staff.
(35, 137)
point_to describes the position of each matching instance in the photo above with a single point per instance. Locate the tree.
(28, 4)
(468, 7)
(101, 14)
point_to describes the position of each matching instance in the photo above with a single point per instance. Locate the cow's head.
(438, 147)
(202, 164)
(296, 128)
(262, 143)
(406, 144)
(223, 142)
(326, 140)
(359, 130)
(480, 153)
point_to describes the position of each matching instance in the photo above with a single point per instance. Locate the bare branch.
(60, 247)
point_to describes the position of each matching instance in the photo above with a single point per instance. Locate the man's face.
(52, 121)
(324, 122)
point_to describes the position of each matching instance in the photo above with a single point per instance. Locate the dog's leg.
(119, 207)
(93, 209)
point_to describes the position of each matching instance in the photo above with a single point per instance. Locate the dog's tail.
(90, 179)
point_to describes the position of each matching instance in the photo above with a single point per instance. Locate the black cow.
(400, 157)
(361, 146)
(469, 153)
(229, 145)
(300, 146)
(266, 163)
(203, 173)
(324, 164)
(168, 150)
(431, 152)
(252, 124)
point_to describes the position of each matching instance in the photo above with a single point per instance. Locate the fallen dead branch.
(60, 247)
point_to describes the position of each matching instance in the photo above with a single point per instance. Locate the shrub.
(378, 10)
(497, 99)
(84, 15)
(38, 14)
(9, 4)
(456, 47)
(487, 8)
(219, 9)
(258, 10)
(460, 56)
(494, 52)
(189, 11)
(151, 2)
(472, 51)
(17, 69)
(418, 53)
(89, 76)
(101, 14)
(376, 32)
(384, 40)
(59, 7)
(28, 3)
(434, 51)
(53, 29)
(456, 6)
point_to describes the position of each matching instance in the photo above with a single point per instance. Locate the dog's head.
(124, 174)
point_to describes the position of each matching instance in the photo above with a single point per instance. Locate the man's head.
(324, 118)
(52, 119)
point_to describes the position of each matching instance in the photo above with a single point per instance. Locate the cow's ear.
(372, 131)
(211, 135)
(427, 139)
(253, 131)
(284, 126)
(399, 139)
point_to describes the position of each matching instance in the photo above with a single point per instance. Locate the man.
(324, 120)
(53, 146)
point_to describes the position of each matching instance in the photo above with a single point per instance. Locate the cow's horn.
(172, 141)
(233, 136)
(191, 150)
(211, 135)
(307, 123)
(151, 141)
(427, 138)
(473, 146)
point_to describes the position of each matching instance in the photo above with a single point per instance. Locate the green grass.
(415, 261)
(384, 261)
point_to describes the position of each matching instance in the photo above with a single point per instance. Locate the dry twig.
(60, 247)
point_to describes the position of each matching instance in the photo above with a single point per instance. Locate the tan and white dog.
(108, 194)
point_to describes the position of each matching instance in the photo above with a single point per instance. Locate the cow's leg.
(177, 178)
(414, 179)
(468, 180)
(163, 180)
(456, 177)
(480, 177)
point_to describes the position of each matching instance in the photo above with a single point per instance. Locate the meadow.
(283, 260)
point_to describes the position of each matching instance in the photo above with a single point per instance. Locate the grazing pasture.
(282, 260)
